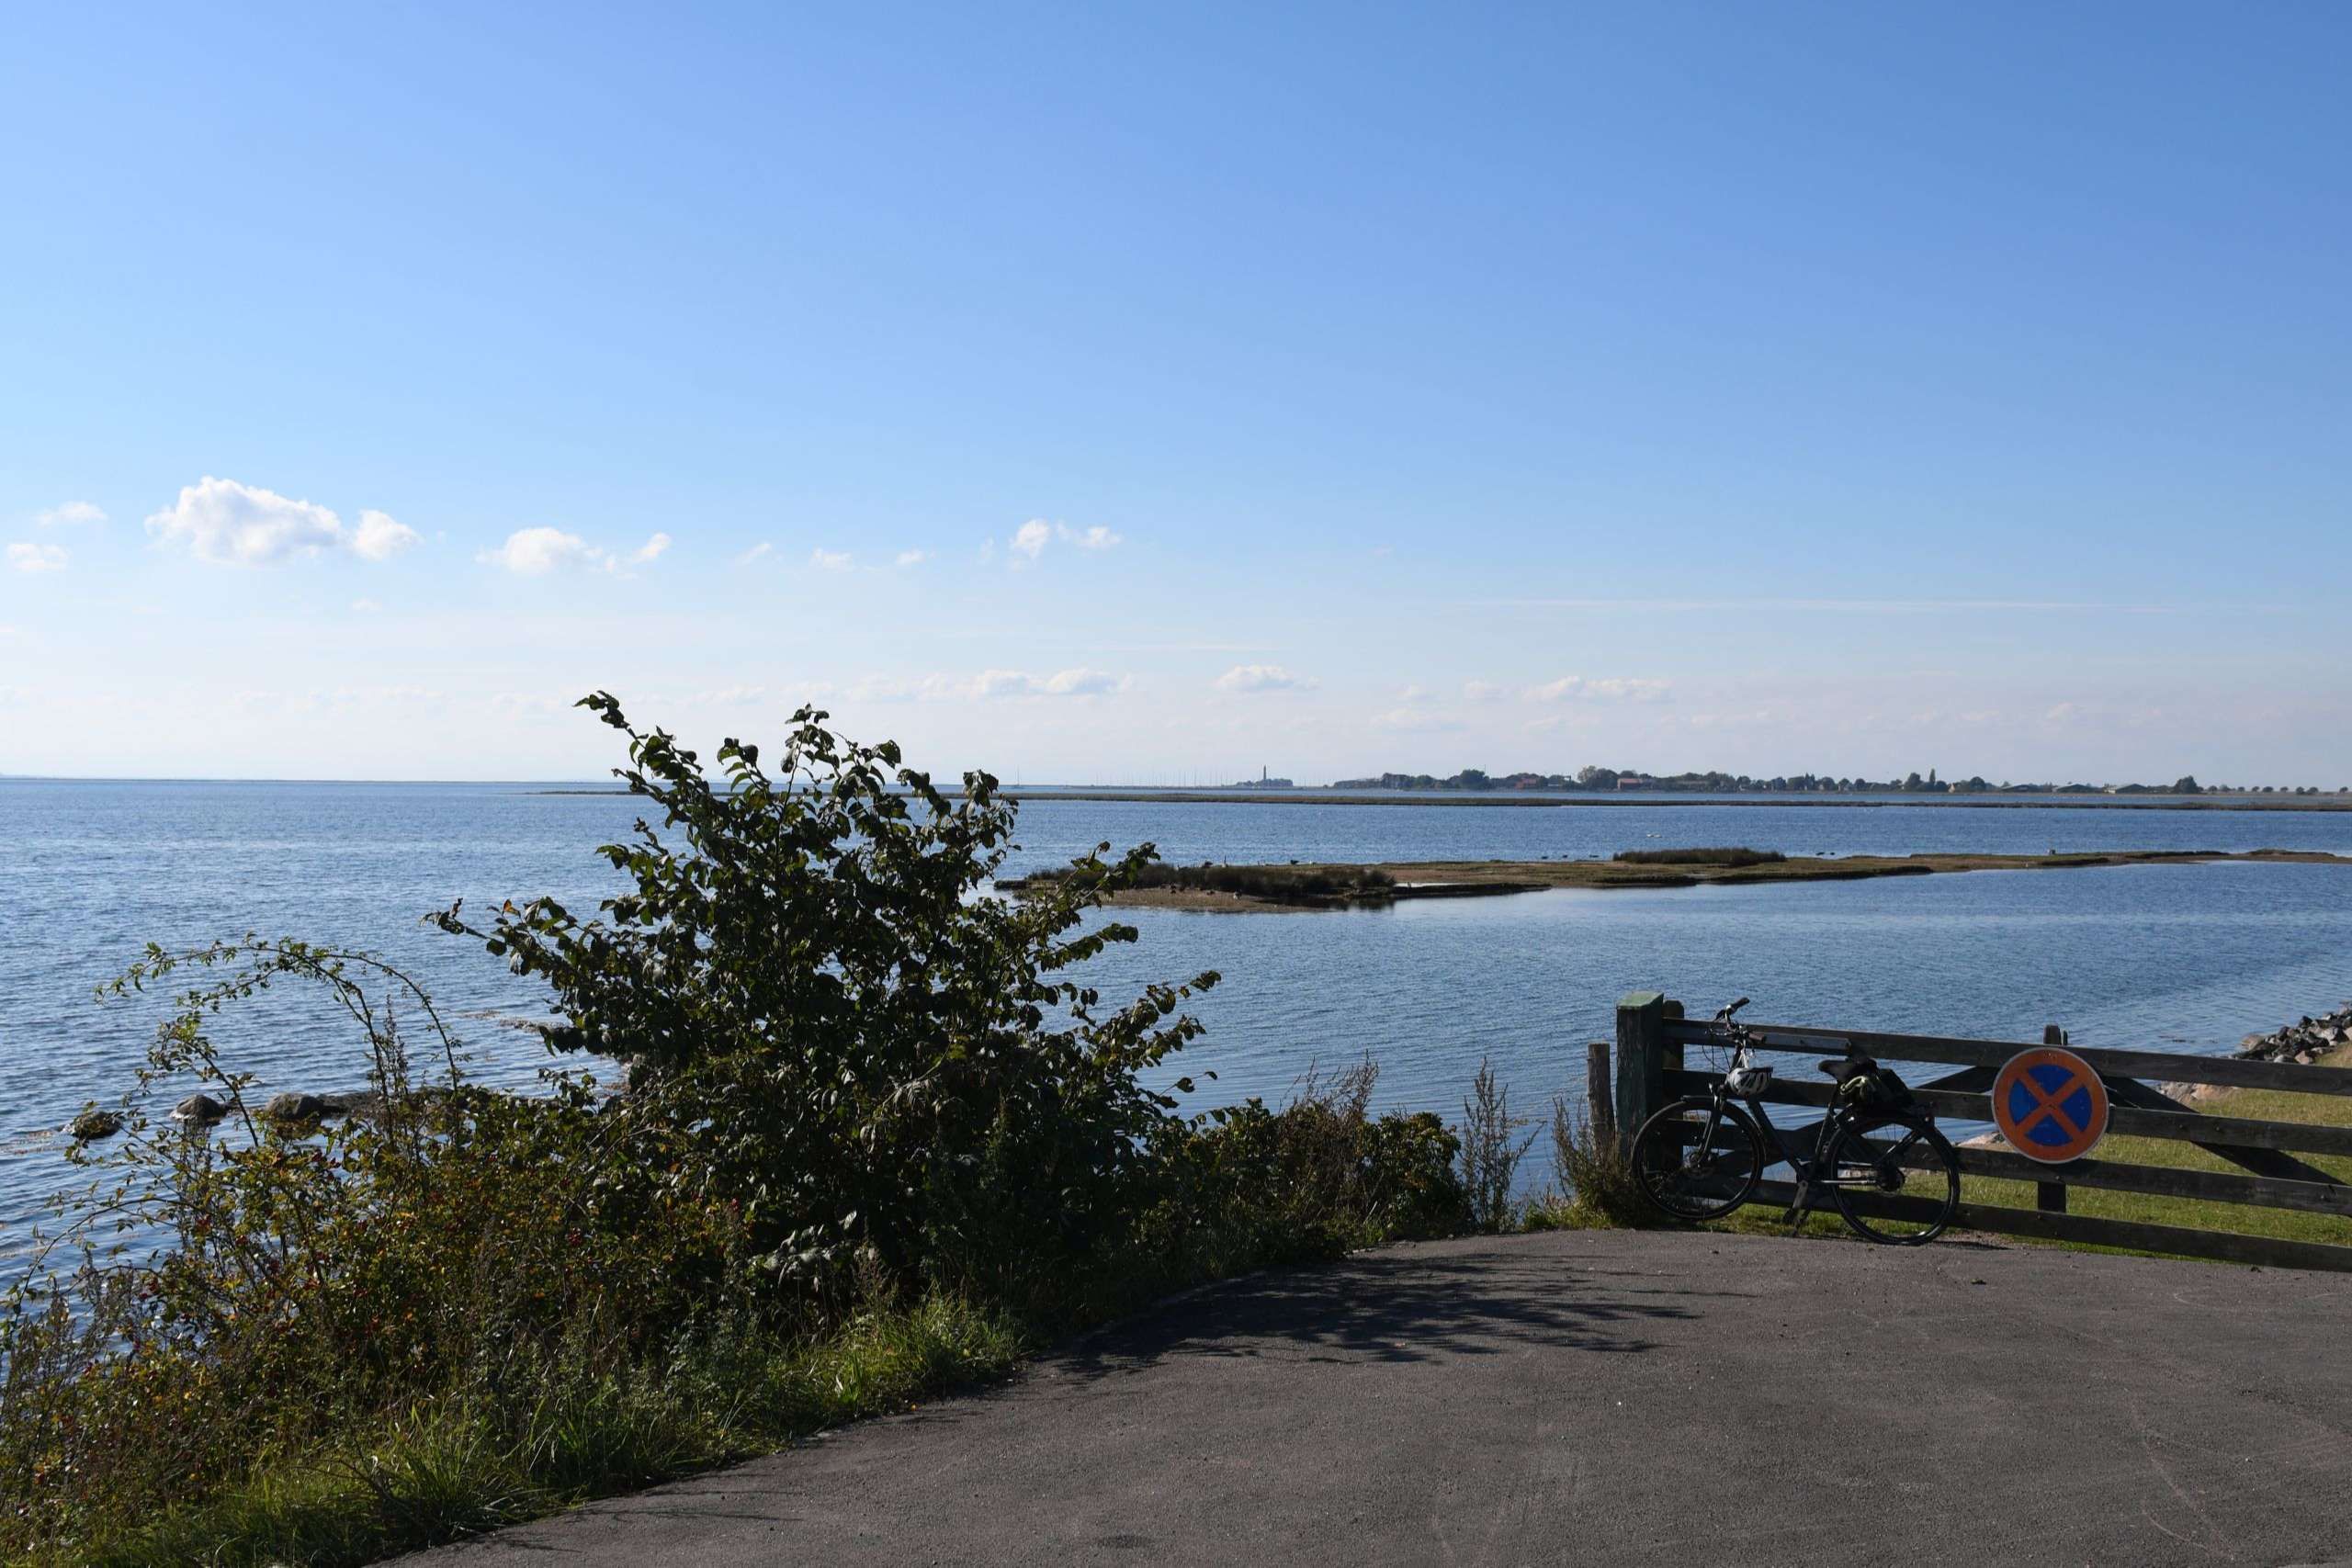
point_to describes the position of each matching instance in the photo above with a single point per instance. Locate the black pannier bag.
(1863, 1085)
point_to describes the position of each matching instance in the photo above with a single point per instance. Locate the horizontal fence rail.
(1653, 1034)
(2228, 1072)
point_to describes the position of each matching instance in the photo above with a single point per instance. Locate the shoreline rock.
(201, 1109)
(2306, 1039)
(2301, 1043)
(94, 1125)
(296, 1109)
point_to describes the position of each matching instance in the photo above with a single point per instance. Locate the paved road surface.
(1594, 1399)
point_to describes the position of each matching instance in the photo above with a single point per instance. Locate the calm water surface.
(2174, 957)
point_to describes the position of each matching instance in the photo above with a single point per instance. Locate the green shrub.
(1252, 1186)
(871, 1143)
(1721, 856)
(857, 1047)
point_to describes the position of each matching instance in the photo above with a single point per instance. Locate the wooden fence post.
(1601, 1111)
(2050, 1197)
(1641, 1061)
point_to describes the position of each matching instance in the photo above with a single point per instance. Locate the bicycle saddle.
(1847, 1065)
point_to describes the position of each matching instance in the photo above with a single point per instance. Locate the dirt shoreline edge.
(1461, 879)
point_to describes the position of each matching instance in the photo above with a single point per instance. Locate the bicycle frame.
(1687, 1175)
(1808, 1170)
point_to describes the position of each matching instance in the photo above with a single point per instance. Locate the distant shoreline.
(1644, 797)
(1400, 881)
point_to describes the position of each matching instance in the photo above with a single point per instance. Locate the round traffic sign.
(2050, 1105)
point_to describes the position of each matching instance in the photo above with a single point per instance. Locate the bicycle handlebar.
(1733, 1008)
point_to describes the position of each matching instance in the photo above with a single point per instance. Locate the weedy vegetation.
(877, 1139)
(1491, 1150)
(1592, 1184)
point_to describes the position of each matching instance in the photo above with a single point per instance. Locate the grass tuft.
(1592, 1185)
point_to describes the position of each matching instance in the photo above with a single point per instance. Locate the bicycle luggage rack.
(1652, 1032)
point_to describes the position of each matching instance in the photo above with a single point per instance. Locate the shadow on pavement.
(1395, 1308)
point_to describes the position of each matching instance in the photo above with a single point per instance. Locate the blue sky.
(1097, 393)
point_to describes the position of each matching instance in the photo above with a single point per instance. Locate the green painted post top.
(1638, 1000)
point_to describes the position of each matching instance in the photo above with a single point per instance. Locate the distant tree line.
(1715, 782)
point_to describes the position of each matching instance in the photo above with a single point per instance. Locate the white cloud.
(378, 537)
(72, 514)
(1414, 721)
(724, 697)
(830, 561)
(1413, 691)
(230, 523)
(754, 553)
(1615, 688)
(516, 704)
(534, 552)
(37, 557)
(879, 689)
(335, 700)
(913, 557)
(1261, 678)
(1003, 684)
(1095, 538)
(238, 524)
(1482, 692)
(365, 606)
(1629, 688)
(1029, 540)
(1082, 684)
(989, 686)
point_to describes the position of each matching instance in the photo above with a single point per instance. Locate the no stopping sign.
(2050, 1105)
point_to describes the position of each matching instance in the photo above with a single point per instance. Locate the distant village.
(1612, 780)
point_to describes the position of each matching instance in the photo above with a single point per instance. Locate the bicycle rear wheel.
(1696, 1160)
(1895, 1179)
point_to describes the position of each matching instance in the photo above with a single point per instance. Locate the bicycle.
(1702, 1155)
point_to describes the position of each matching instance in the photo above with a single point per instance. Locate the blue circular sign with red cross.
(2050, 1105)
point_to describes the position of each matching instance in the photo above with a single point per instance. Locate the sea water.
(2172, 957)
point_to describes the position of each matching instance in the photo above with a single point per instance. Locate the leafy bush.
(1722, 856)
(856, 1047)
(872, 1142)
(1321, 1175)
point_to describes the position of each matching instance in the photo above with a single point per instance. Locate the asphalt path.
(1592, 1398)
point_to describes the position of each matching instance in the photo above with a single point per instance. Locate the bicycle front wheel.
(1697, 1159)
(1895, 1178)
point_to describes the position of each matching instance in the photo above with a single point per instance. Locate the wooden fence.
(1652, 1032)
